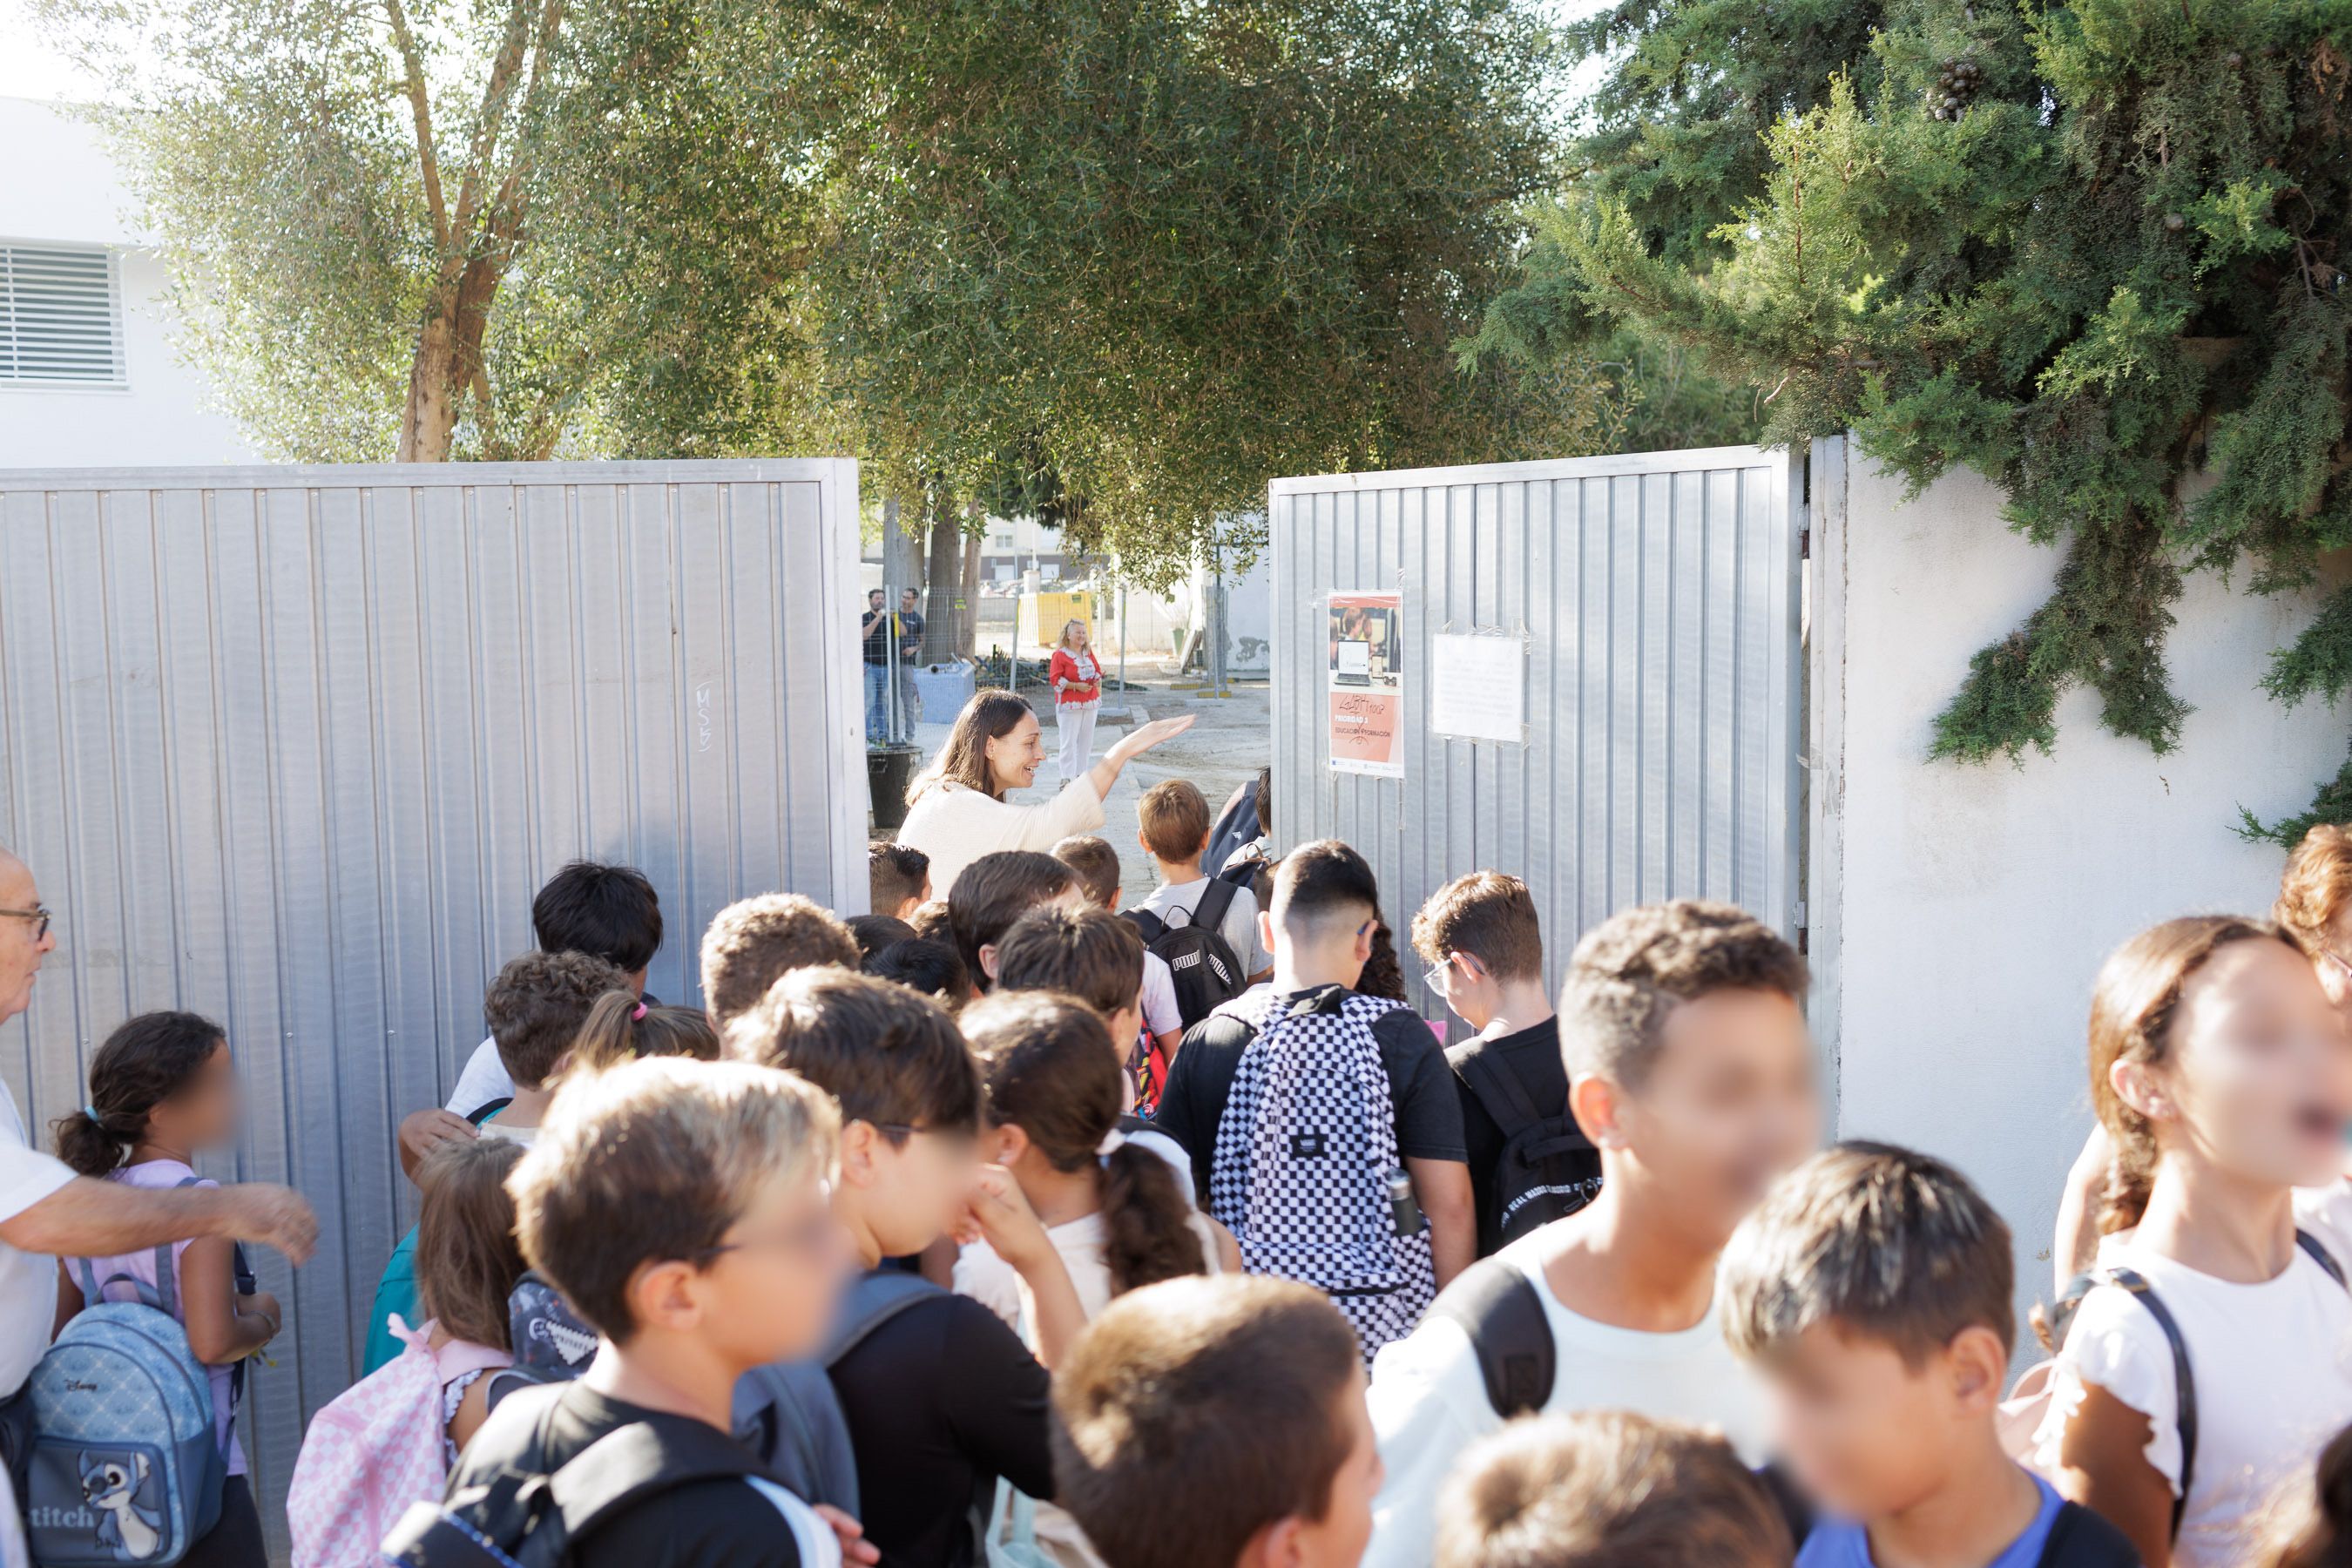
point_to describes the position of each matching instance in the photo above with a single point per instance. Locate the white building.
(87, 375)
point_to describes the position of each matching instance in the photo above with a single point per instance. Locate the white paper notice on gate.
(1478, 687)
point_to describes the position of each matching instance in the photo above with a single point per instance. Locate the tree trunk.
(943, 607)
(434, 380)
(968, 623)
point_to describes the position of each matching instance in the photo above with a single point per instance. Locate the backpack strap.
(1215, 899)
(488, 1108)
(2321, 1255)
(1149, 925)
(1499, 1089)
(876, 1298)
(623, 1469)
(2184, 1385)
(1497, 1307)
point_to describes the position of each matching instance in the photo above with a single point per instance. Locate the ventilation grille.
(60, 324)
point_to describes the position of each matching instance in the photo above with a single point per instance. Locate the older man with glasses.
(47, 1211)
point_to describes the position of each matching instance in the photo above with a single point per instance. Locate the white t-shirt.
(955, 825)
(1161, 1014)
(1429, 1401)
(1239, 929)
(484, 1080)
(29, 1280)
(2272, 1370)
(495, 1128)
(988, 1279)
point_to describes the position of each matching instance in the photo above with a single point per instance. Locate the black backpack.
(2184, 1385)
(1499, 1309)
(1548, 1170)
(1200, 960)
(529, 1518)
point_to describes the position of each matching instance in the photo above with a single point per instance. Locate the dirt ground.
(1231, 740)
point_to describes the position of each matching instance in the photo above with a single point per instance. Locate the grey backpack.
(787, 1412)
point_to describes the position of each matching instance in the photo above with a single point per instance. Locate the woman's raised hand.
(1143, 737)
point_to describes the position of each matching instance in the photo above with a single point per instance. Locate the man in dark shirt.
(911, 651)
(874, 631)
(1320, 941)
(1481, 938)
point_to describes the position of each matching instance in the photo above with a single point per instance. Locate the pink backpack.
(375, 1449)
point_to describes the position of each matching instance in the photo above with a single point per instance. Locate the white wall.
(56, 184)
(1960, 912)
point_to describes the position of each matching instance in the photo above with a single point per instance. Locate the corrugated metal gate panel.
(1660, 596)
(294, 747)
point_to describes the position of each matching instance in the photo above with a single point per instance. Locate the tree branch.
(421, 107)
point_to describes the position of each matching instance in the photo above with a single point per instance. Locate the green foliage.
(2088, 249)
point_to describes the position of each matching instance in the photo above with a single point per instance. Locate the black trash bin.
(888, 771)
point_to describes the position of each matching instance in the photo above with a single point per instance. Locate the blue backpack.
(125, 1468)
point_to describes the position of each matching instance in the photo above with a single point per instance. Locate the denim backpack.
(125, 1468)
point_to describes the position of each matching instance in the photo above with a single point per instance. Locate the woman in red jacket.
(1077, 692)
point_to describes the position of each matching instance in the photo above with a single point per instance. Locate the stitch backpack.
(124, 1464)
(1303, 1156)
(375, 1449)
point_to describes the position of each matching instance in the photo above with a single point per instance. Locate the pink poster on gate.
(1366, 684)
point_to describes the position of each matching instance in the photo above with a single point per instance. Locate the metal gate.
(293, 748)
(1658, 596)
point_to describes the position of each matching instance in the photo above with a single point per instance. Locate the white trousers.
(1075, 724)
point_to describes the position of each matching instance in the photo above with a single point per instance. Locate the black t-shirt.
(910, 634)
(877, 641)
(1532, 1054)
(701, 1524)
(1428, 1113)
(941, 1401)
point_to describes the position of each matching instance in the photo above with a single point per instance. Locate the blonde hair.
(2316, 886)
(2132, 1011)
(1063, 642)
(652, 1161)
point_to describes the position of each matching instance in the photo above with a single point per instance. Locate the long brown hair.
(2133, 1008)
(991, 715)
(468, 1259)
(621, 1028)
(147, 1060)
(1051, 1070)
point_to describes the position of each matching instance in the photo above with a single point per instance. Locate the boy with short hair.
(926, 966)
(606, 912)
(1217, 1423)
(997, 889)
(1307, 1195)
(535, 1007)
(680, 1207)
(874, 933)
(899, 878)
(1683, 1033)
(940, 1398)
(1530, 1162)
(1096, 864)
(1607, 1489)
(1173, 825)
(753, 943)
(1874, 1289)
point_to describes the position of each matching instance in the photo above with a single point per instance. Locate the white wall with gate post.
(1960, 913)
(293, 748)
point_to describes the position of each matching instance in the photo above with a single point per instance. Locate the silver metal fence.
(294, 747)
(1658, 595)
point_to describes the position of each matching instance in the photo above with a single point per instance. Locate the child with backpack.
(1217, 1423)
(1872, 1288)
(536, 1006)
(370, 1455)
(1173, 825)
(2204, 1365)
(1530, 1162)
(1096, 864)
(161, 1089)
(681, 1208)
(1322, 1123)
(1683, 1031)
(940, 1397)
(1605, 1488)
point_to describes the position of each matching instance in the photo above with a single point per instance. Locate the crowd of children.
(1003, 1227)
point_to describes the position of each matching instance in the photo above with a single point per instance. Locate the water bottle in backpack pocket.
(125, 1466)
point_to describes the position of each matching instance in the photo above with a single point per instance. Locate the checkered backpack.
(1303, 1152)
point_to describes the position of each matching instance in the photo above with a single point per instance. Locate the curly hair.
(2317, 886)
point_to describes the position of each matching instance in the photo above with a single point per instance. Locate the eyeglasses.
(1438, 978)
(38, 914)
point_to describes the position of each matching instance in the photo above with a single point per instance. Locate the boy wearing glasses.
(1530, 1162)
(940, 1398)
(681, 1208)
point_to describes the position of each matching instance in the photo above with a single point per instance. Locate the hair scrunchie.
(639, 1016)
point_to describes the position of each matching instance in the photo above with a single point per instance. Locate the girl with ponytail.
(161, 1089)
(621, 1028)
(2222, 1078)
(1114, 1210)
